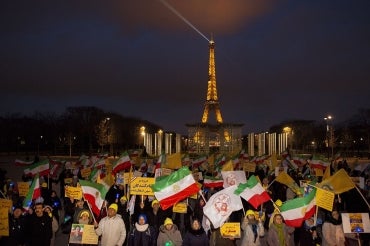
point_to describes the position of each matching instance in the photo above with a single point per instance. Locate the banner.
(181, 208)
(73, 192)
(23, 188)
(83, 234)
(4, 221)
(230, 230)
(141, 186)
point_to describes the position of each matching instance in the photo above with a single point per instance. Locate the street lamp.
(329, 134)
(142, 133)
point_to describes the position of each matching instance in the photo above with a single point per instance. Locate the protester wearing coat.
(252, 230)
(195, 236)
(169, 235)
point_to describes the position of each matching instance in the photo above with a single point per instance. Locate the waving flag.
(297, 210)
(253, 192)
(123, 162)
(211, 182)
(18, 162)
(94, 193)
(175, 187)
(33, 193)
(233, 178)
(42, 168)
(221, 204)
(199, 161)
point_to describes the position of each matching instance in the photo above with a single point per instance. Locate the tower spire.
(212, 102)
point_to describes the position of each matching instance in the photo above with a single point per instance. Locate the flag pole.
(88, 204)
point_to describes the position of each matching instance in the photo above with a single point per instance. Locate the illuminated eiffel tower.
(205, 137)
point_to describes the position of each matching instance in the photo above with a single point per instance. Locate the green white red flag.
(177, 186)
(94, 193)
(253, 192)
(211, 182)
(297, 210)
(42, 168)
(18, 162)
(124, 162)
(33, 193)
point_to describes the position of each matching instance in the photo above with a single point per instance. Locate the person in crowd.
(85, 217)
(111, 228)
(156, 216)
(307, 234)
(122, 210)
(16, 228)
(252, 229)
(142, 234)
(198, 209)
(39, 227)
(79, 207)
(169, 235)
(142, 206)
(332, 230)
(195, 236)
(114, 193)
(279, 234)
(55, 203)
(54, 223)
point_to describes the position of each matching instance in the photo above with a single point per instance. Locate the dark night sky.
(275, 60)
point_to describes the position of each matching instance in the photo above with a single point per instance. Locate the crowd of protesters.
(148, 224)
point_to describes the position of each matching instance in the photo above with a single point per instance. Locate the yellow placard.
(4, 221)
(180, 208)
(85, 172)
(249, 167)
(23, 188)
(83, 234)
(6, 203)
(73, 192)
(325, 199)
(230, 230)
(141, 186)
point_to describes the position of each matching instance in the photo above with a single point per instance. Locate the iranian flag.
(94, 193)
(199, 161)
(124, 162)
(18, 162)
(33, 193)
(42, 168)
(175, 187)
(253, 192)
(320, 164)
(100, 163)
(211, 182)
(297, 210)
(158, 165)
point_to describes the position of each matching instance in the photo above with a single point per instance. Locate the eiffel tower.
(206, 137)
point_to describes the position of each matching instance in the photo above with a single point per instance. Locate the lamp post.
(142, 133)
(329, 135)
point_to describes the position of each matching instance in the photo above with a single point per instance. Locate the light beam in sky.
(183, 18)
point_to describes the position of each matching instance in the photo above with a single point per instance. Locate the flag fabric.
(94, 193)
(338, 183)
(33, 193)
(100, 163)
(18, 162)
(174, 161)
(317, 163)
(233, 178)
(211, 182)
(56, 167)
(199, 161)
(123, 162)
(228, 166)
(221, 204)
(175, 187)
(285, 179)
(42, 168)
(220, 161)
(253, 192)
(296, 211)
(158, 165)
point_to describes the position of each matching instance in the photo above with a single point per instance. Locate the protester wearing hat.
(54, 224)
(142, 234)
(16, 228)
(157, 215)
(111, 228)
(122, 210)
(85, 217)
(79, 206)
(252, 229)
(195, 236)
(169, 235)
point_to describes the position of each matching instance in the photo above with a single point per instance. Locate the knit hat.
(123, 199)
(249, 212)
(168, 221)
(155, 201)
(83, 213)
(144, 217)
(47, 206)
(114, 206)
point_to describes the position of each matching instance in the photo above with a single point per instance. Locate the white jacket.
(112, 231)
